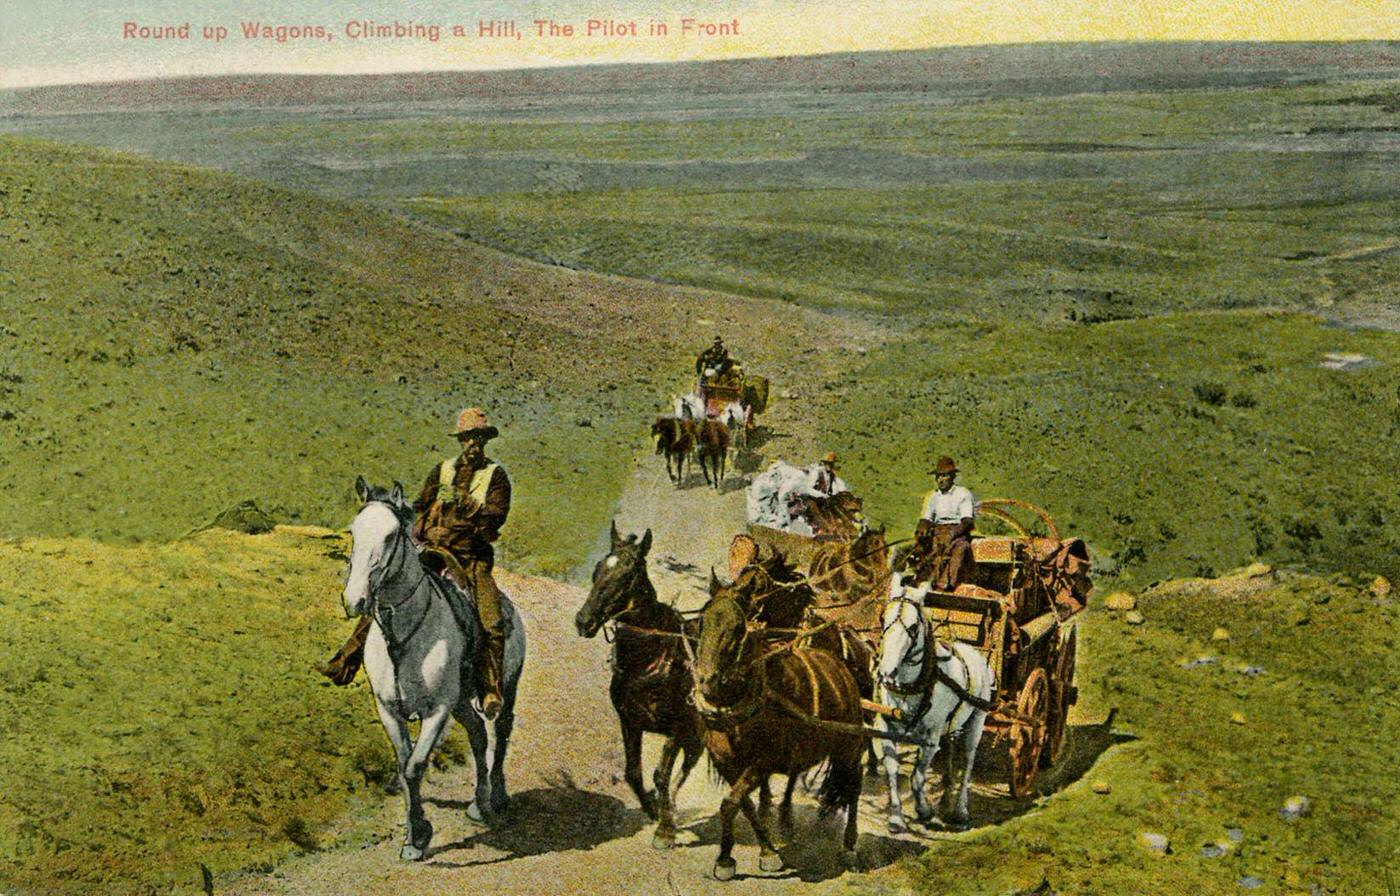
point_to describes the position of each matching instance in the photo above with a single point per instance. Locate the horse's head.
(902, 629)
(720, 667)
(616, 580)
(384, 514)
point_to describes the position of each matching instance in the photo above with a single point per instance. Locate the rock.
(1256, 570)
(1380, 587)
(1101, 787)
(1235, 835)
(1295, 807)
(1237, 718)
(584, 421)
(1213, 850)
(1154, 842)
(1203, 660)
(1135, 618)
(1120, 600)
(1250, 882)
(1220, 634)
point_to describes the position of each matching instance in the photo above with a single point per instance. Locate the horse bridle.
(381, 613)
(919, 633)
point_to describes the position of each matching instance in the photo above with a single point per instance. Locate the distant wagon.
(719, 390)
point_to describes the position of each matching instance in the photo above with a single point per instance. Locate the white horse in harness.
(921, 676)
(418, 658)
(736, 416)
(690, 407)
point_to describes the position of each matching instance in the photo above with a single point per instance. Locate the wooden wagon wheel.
(1062, 697)
(1028, 732)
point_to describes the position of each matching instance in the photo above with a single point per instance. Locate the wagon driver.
(460, 511)
(715, 358)
(944, 533)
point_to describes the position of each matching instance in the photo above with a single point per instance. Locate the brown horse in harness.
(675, 438)
(651, 680)
(837, 516)
(773, 712)
(783, 605)
(851, 579)
(712, 448)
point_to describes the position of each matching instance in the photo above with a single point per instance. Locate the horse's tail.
(841, 788)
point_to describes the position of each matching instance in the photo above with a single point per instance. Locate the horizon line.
(546, 65)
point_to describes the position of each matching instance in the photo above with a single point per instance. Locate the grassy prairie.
(120, 776)
(1179, 445)
(917, 203)
(175, 341)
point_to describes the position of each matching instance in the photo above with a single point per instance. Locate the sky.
(66, 41)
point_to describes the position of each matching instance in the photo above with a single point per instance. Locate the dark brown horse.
(712, 448)
(651, 680)
(675, 437)
(837, 516)
(773, 712)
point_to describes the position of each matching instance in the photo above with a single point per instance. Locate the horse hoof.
(474, 812)
(663, 840)
(770, 862)
(410, 853)
(958, 824)
(896, 826)
(924, 816)
(850, 860)
(724, 869)
(423, 838)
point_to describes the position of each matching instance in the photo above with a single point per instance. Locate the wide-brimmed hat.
(472, 421)
(829, 458)
(945, 465)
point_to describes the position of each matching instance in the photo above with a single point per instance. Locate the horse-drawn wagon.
(719, 391)
(1017, 611)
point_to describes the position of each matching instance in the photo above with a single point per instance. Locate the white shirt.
(951, 506)
(820, 482)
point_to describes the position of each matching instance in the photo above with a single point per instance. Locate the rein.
(831, 572)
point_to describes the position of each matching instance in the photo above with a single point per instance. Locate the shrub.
(1210, 392)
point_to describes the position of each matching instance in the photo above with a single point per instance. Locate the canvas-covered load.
(768, 500)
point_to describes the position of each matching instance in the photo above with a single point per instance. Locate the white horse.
(907, 674)
(736, 417)
(419, 658)
(690, 407)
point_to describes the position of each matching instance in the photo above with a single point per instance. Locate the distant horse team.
(690, 432)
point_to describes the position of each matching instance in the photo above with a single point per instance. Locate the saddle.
(458, 590)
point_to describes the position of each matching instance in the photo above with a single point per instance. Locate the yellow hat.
(473, 421)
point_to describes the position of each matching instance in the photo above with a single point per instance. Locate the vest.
(476, 489)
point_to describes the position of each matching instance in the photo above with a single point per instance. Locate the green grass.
(1096, 206)
(163, 359)
(162, 711)
(1315, 724)
(1104, 427)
